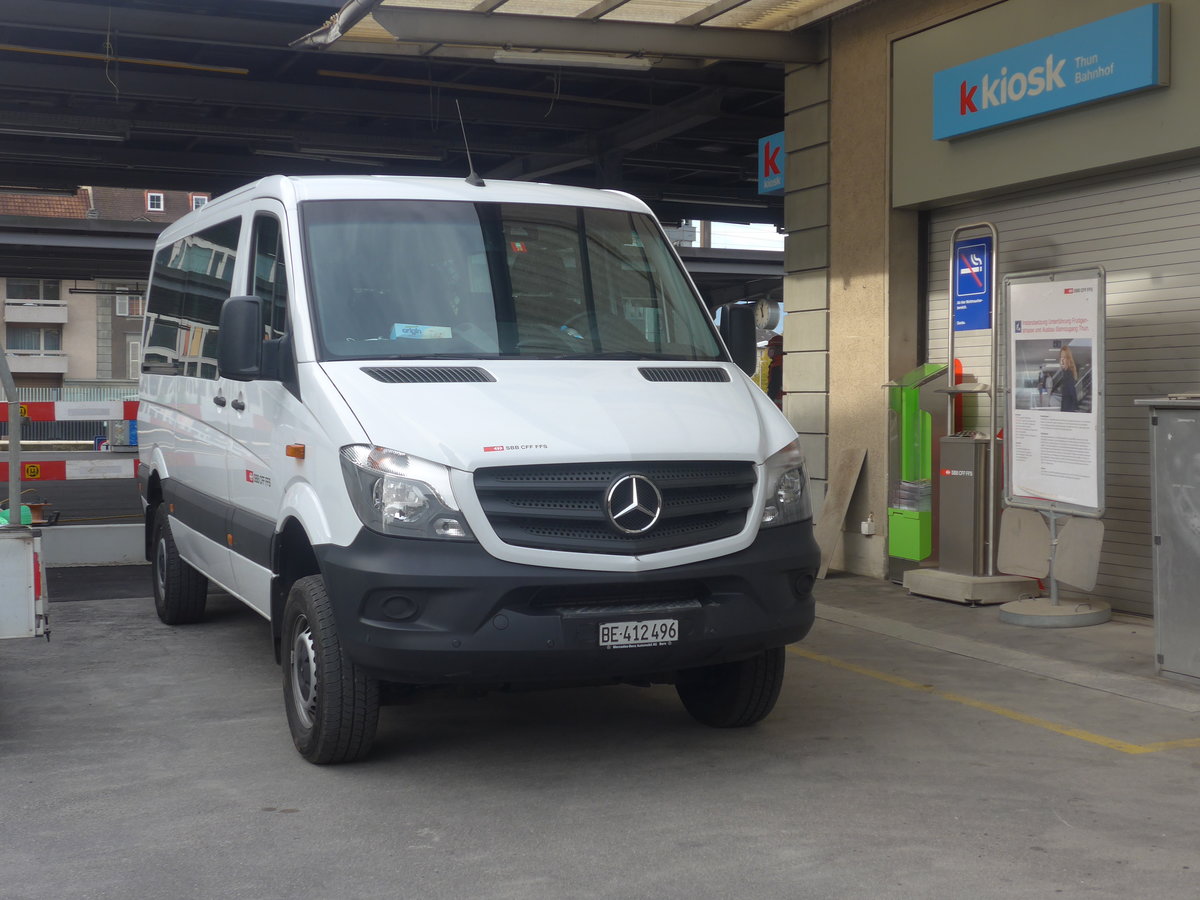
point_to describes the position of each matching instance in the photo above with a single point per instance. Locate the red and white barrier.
(74, 410)
(71, 469)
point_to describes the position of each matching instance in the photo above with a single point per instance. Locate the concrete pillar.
(806, 265)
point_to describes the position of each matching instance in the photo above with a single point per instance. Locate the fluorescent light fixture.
(367, 151)
(713, 201)
(583, 60)
(364, 156)
(317, 157)
(60, 133)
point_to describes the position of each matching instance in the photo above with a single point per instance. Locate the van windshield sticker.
(420, 332)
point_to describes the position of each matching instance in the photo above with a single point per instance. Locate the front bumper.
(431, 612)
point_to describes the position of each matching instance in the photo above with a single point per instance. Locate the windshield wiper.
(648, 357)
(424, 356)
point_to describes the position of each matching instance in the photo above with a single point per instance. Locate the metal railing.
(68, 431)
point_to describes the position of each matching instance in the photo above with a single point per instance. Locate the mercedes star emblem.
(633, 504)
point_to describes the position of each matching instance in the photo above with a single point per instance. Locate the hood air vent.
(690, 374)
(429, 374)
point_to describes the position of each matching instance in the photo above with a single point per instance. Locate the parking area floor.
(919, 749)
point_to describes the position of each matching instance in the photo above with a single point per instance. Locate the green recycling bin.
(911, 401)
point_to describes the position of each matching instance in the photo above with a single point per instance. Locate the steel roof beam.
(712, 11)
(442, 26)
(647, 129)
(136, 22)
(244, 92)
(601, 9)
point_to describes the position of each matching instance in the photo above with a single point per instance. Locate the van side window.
(190, 281)
(160, 330)
(269, 279)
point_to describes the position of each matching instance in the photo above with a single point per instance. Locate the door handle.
(238, 405)
(219, 400)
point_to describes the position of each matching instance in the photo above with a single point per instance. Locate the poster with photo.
(1055, 436)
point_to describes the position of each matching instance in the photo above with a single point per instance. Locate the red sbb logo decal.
(255, 478)
(492, 449)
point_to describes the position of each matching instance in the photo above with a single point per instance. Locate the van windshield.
(403, 279)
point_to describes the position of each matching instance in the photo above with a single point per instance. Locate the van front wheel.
(734, 694)
(179, 590)
(332, 707)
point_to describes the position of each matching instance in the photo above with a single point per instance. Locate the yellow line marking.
(1077, 733)
(1173, 745)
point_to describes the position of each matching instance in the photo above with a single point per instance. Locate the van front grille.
(563, 507)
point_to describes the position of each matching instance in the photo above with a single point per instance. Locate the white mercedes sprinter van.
(443, 433)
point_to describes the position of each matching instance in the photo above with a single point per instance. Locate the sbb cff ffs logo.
(1005, 88)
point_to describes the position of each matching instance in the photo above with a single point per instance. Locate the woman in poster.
(1070, 374)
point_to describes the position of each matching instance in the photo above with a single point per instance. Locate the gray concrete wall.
(857, 292)
(871, 280)
(806, 261)
(93, 545)
(1145, 126)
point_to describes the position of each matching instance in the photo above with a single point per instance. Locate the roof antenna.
(472, 176)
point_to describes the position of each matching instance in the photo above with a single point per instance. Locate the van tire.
(332, 706)
(734, 694)
(180, 591)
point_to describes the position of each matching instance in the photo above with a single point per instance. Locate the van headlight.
(394, 493)
(787, 498)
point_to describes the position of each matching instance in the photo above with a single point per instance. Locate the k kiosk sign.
(1114, 56)
(770, 164)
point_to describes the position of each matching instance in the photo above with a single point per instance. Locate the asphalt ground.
(918, 750)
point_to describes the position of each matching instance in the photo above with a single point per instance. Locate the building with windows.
(62, 325)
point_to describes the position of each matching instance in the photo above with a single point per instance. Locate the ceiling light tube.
(375, 153)
(316, 157)
(583, 60)
(712, 201)
(60, 133)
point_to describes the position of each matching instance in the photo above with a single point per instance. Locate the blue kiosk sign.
(1106, 58)
(771, 163)
(971, 286)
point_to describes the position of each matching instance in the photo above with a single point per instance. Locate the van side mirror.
(737, 331)
(240, 341)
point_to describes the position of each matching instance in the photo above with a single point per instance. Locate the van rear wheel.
(332, 706)
(734, 694)
(180, 591)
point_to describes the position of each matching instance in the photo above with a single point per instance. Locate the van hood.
(468, 414)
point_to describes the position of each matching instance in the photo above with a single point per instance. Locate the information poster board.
(1054, 442)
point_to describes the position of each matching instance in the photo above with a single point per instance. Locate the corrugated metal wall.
(1143, 227)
